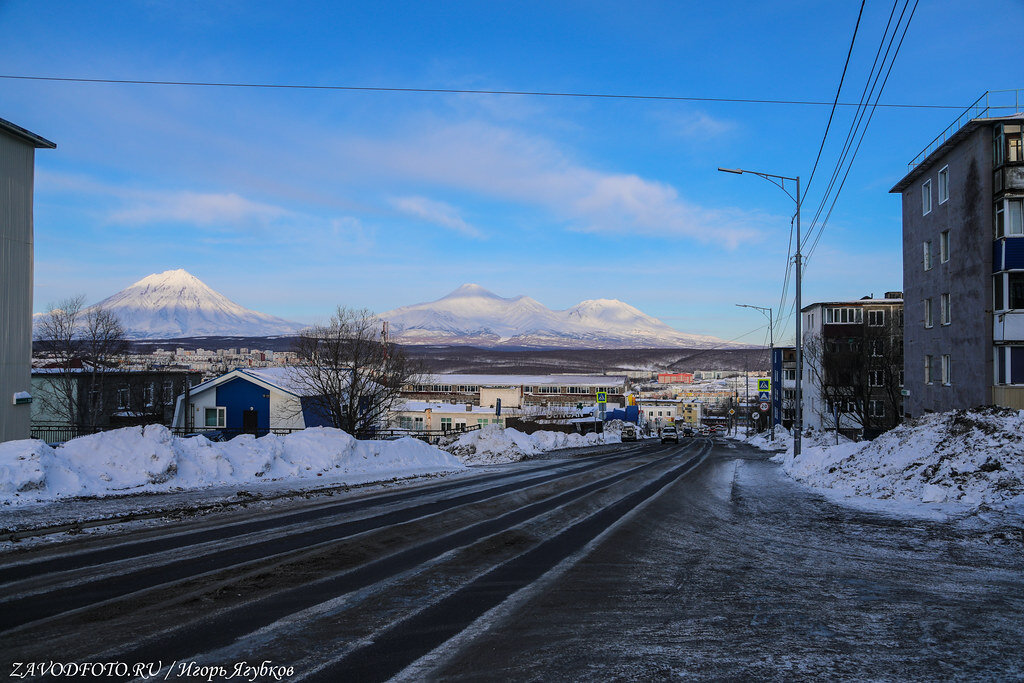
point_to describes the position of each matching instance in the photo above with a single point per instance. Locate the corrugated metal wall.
(16, 177)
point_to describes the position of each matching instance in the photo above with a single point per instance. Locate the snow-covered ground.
(959, 462)
(494, 445)
(151, 459)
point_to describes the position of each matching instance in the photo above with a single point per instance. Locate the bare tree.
(81, 345)
(348, 373)
(860, 377)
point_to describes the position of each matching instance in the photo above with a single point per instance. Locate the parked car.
(628, 433)
(705, 431)
(688, 432)
(669, 434)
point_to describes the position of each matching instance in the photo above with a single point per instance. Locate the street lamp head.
(737, 171)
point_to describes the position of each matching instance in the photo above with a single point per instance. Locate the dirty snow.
(150, 459)
(963, 461)
(494, 445)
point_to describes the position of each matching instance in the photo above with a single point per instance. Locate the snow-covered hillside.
(175, 303)
(474, 315)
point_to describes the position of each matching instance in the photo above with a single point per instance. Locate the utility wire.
(846, 64)
(861, 140)
(460, 91)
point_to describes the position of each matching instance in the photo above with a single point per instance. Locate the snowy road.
(636, 562)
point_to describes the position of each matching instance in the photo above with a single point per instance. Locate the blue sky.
(295, 201)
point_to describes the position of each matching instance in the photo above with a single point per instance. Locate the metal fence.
(992, 103)
(59, 433)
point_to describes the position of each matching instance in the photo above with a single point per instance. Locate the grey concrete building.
(963, 262)
(17, 174)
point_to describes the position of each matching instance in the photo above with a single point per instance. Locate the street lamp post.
(780, 182)
(771, 359)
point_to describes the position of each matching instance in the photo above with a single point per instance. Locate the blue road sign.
(764, 396)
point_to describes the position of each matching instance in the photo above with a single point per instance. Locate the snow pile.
(973, 459)
(493, 444)
(137, 459)
(783, 440)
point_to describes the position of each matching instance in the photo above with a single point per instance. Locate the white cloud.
(438, 213)
(504, 163)
(196, 208)
(695, 125)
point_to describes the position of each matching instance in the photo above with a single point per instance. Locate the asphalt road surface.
(630, 562)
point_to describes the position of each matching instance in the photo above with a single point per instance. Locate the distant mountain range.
(176, 304)
(475, 316)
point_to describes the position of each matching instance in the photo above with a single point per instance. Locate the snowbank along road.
(637, 562)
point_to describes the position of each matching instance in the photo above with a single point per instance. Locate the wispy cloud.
(438, 213)
(504, 163)
(196, 208)
(695, 125)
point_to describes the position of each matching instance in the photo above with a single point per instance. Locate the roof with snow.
(281, 379)
(421, 406)
(528, 380)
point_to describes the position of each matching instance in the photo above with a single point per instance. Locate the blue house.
(251, 400)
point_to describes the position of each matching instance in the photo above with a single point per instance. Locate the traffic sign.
(762, 406)
(764, 396)
(731, 411)
(602, 397)
(764, 385)
(755, 415)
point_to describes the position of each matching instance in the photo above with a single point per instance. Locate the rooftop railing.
(992, 103)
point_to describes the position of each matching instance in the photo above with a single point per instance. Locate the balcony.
(1009, 396)
(1008, 327)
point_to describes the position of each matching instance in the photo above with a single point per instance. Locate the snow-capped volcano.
(474, 315)
(176, 303)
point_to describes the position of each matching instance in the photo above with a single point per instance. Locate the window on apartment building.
(1009, 217)
(549, 390)
(944, 309)
(876, 347)
(926, 257)
(943, 184)
(926, 197)
(927, 312)
(1015, 289)
(998, 302)
(927, 369)
(168, 391)
(417, 423)
(876, 378)
(844, 315)
(789, 375)
(945, 369)
(901, 379)
(446, 424)
(944, 246)
(876, 408)
(1006, 144)
(215, 417)
(148, 395)
(876, 318)
(122, 399)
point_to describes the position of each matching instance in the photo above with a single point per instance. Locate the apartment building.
(853, 365)
(963, 261)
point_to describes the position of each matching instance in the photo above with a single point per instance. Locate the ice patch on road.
(151, 459)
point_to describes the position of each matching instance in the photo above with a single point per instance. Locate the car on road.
(669, 434)
(705, 431)
(628, 433)
(688, 432)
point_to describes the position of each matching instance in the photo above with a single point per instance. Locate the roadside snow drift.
(493, 444)
(137, 459)
(971, 458)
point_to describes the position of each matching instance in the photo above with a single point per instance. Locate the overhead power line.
(461, 91)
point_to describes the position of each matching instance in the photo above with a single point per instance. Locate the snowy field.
(955, 463)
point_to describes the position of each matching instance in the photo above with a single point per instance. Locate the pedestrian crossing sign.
(602, 397)
(764, 384)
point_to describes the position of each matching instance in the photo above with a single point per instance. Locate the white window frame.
(879, 315)
(944, 184)
(944, 246)
(876, 407)
(221, 416)
(876, 378)
(123, 399)
(844, 316)
(926, 197)
(946, 369)
(926, 258)
(928, 321)
(944, 311)
(927, 369)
